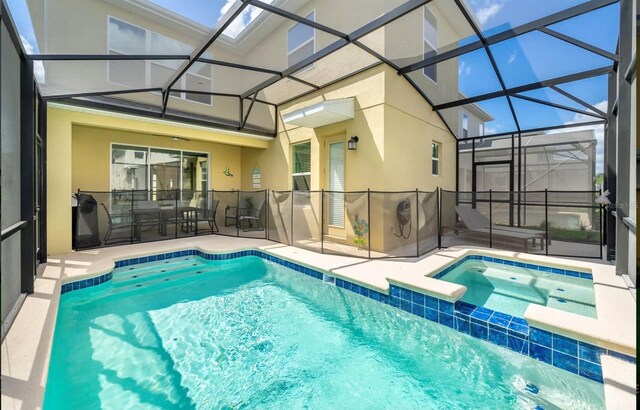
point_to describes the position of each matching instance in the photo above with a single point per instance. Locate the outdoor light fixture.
(351, 144)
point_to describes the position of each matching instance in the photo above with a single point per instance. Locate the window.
(435, 158)
(157, 169)
(301, 41)
(125, 38)
(465, 125)
(301, 166)
(481, 129)
(430, 42)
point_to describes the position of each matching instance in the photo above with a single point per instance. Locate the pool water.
(247, 333)
(510, 289)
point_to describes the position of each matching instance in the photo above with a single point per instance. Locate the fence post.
(369, 222)
(601, 230)
(238, 213)
(546, 221)
(439, 215)
(321, 220)
(176, 215)
(490, 219)
(292, 203)
(417, 224)
(213, 199)
(133, 229)
(266, 214)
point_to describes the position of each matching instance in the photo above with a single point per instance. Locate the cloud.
(484, 14)
(490, 130)
(38, 66)
(512, 57)
(464, 68)
(242, 21)
(597, 129)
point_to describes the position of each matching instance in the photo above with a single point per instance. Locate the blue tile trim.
(541, 268)
(499, 328)
(85, 283)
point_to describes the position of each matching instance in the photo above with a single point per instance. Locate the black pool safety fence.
(556, 223)
(368, 224)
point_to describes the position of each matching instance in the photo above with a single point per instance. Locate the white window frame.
(436, 159)
(148, 63)
(148, 149)
(301, 174)
(313, 39)
(434, 47)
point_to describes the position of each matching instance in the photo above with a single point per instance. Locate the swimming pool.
(248, 333)
(510, 289)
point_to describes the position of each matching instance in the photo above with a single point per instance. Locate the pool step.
(175, 276)
(144, 269)
(136, 277)
(147, 273)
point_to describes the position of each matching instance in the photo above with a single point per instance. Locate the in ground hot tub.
(510, 286)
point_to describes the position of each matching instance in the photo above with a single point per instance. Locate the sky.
(525, 59)
(209, 12)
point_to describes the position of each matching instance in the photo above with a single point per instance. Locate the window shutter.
(336, 183)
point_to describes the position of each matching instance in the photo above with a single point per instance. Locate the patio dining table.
(164, 214)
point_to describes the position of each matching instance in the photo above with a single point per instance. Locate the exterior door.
(335, 183)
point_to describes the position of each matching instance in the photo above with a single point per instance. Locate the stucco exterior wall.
(91, 156)
(78, 156)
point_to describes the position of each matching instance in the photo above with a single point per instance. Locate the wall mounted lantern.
(351, 144)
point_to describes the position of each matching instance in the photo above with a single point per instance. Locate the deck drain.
(532, 388)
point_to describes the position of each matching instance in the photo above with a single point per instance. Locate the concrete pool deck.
(27, 345)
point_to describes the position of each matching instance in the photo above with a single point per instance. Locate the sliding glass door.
(164, 169)
(159, 171)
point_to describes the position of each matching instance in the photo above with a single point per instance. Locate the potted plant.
(360, 229)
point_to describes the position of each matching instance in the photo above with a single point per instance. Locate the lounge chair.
(474, 223)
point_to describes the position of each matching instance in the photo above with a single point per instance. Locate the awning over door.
(323, 113)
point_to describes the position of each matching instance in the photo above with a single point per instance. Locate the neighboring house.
(561, 161)
(402, 143)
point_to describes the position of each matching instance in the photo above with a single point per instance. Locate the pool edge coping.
(34, 358)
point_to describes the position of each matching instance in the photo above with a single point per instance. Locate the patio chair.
(474, 223)
(119, 222)
(250, 219)
(207, 214)
(231, 213)
(148, 215)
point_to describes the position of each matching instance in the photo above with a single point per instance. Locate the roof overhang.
(321, 114)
